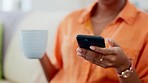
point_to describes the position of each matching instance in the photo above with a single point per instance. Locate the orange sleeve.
(56, 58)
(142, 64)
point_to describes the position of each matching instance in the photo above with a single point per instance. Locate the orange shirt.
(129, 30)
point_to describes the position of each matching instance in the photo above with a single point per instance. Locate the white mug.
(33, 43)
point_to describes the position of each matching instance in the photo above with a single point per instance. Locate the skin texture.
(112, 56)
(48, 68)
(105, 12)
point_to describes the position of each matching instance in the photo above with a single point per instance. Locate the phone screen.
(85, 41)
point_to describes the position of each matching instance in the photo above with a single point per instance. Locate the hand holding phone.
(85, 41)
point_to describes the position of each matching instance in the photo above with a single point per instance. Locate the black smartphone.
(85, 41)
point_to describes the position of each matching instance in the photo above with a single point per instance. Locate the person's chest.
(127, 36)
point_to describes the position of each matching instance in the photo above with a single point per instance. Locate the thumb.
(111, 42)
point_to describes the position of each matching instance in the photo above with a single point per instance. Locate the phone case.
(85, 41)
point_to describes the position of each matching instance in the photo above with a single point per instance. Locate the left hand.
(106, 57)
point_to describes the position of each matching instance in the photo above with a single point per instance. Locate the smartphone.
(85, 41)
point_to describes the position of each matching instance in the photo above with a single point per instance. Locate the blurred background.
(16, 15)
(53, 5)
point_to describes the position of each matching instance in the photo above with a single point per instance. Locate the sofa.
(16, 68)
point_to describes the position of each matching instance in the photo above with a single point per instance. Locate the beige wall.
(45, 5)
(56, 5)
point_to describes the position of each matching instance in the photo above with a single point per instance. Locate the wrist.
(126, 73)
(124, 67)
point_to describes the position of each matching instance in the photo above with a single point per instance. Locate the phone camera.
(86, 40)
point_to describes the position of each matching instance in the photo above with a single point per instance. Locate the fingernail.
(92, 47)
(107, 39)
(79, 50)
(110, 40)
(79, 54)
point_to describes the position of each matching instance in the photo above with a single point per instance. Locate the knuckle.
(105, 66)
(98, 50)
(118, 50)
(112, 59)
(97, 63)
(92, 60)
(108, 52)
(110, 64)
(88, 58)
(84, 57)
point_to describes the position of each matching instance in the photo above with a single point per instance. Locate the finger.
(111, 42)
(95, 59)
(88, 55)
(105, 63)
(110, 58)
(105, 51)
(81, 50)
(84, 52)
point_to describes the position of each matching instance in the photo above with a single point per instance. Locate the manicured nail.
(92, 47)
(79, 54)
(79, 50)
(107, 39)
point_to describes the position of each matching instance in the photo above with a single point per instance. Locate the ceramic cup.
(33, 43)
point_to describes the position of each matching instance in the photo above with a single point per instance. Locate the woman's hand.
(106, 57)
